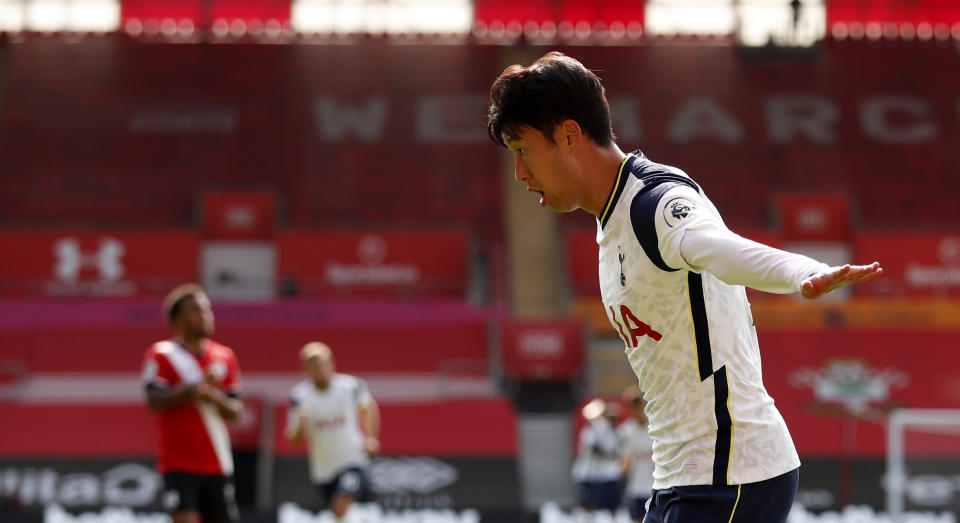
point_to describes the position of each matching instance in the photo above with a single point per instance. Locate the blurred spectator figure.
(637, 453)
(342, 425)
(193, 384)
(597, 470)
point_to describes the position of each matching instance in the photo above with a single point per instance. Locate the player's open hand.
(824, 282)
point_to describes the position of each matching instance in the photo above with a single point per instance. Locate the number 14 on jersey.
(630, 324)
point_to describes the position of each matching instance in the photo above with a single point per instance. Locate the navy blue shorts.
(600, 495)
(767, 501)
(212, 496)
(350, 482)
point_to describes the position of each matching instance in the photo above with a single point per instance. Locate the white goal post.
(939, 421)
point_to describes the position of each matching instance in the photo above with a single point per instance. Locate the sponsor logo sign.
(542, 349)
(68, 263)
(239, 215)
(913, 264)
(417, 482)
(374, 262)
(73, 485)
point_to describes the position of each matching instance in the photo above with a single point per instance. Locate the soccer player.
(342, 425)
(672, 280)
(637, 450)
(193, 385)
(596, 470)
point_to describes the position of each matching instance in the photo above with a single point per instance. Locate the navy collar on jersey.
(626, 166)
(187, 347)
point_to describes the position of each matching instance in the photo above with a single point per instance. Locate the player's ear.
(569, 134)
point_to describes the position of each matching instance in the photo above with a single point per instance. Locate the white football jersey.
(636, 444)
(333, 434)
(689, 336)
(598, 453)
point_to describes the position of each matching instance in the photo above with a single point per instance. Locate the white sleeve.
(362, 394)
(692, 236)
(293, 407)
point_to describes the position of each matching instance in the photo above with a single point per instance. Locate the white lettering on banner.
(239, 217)
(129, 484)
(811, 218)
(918, 275)
(625, 114)
(371, 250)
(552, 513)
(336, 120)
(541, 344)
(944, 275)
(810, 116)
(702, 117)
(184, 120)
(339, 274)
(56, 514)
(875, 115)
(79, 489)
(451, 119)
(864, 514)
(372, 513)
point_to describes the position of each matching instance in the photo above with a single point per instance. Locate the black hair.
(178, 296)
(552, 89)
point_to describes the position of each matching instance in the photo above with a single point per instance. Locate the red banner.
(345, 264)
(931, 12)
(467, 427)
(402, 139)
(239, 215)
(542, 350)
(814, 217)
(583, 258)
(839, 385)
(196, 13)
(913, 264)
(450, 348)
(105, 263)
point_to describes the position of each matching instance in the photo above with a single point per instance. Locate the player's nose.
(521, 171)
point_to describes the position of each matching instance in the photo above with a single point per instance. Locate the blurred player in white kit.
(341, 423)
(636, 447)
(597, 471)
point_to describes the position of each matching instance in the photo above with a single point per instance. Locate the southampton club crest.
(851, 383)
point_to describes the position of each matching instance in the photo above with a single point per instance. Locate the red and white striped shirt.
(193, 437)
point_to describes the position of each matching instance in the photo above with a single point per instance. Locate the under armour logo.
(107, 260)
(623, 277)
(421, 475)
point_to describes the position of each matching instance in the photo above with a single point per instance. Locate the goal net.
(923, 462)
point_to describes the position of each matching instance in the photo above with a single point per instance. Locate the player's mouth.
(543, 197)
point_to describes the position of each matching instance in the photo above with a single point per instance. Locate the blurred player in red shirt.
(193, 384)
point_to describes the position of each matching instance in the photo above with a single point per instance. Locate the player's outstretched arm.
(822, 283)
